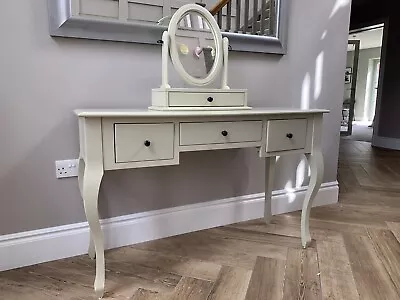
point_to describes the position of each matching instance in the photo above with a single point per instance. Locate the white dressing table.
(192, 119)
(125, 139)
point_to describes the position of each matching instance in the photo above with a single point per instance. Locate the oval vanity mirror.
(195, 45)
(198, 53)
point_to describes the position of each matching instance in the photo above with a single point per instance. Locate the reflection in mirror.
(251, 25)
(195, 44)
(250, 17)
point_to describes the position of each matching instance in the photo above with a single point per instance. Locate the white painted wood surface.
(205, 98)
(224, 77)
(283, 135)
(164, 98)
(175, 98)
(110, 138)
(269, 182)
(109, 144)
(143, 142)
(200, 133)
(90, 175)
(316, 162)
(274, 113)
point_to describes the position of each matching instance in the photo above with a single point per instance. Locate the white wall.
(42, 80)
(361, 109)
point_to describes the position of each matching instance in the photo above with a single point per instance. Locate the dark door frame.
(353, 88)
(378, 23)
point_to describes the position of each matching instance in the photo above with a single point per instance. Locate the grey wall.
(362, 75)
(43, 79)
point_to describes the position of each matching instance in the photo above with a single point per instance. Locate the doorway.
(372, 89)
(360, 97)
(350, 83)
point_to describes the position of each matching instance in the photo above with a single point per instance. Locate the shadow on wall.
(312, 88)
(308, 85)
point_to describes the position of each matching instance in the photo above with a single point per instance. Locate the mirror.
(136, 21)
(195, 45)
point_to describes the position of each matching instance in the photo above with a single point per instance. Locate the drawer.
(220, 132)
(283, 135)
(212, 99)
(143, 142)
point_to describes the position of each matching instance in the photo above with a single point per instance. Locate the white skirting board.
(32, 247)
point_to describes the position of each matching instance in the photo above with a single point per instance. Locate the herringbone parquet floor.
(355, 254)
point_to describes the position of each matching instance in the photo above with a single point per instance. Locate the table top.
(193, 113)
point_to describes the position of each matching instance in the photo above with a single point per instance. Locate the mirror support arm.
(225, 48)
(164, 67)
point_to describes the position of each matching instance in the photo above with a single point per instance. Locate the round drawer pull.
(210, 99)
(224, 132)
(289, 135)
(147, 143)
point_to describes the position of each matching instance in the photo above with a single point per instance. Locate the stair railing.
(260, 22)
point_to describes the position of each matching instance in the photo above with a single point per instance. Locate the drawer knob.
(210, 99)
(147, 143)
(289, 135)
(224, 132)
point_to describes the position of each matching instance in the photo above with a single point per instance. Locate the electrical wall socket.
(67, 168)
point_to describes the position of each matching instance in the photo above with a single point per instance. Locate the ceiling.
(370, 12)
(361, 2)
(368, 39)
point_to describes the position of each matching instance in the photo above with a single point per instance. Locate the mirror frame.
(65, 21)
(173, 51)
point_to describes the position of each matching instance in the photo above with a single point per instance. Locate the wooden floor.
(355, 253)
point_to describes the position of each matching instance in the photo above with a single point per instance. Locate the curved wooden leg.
(316, 162)
(269, 182)
(81, 174)
(90, 191)
(91, 250)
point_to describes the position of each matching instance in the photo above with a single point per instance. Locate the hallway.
(355, 253)
(361, 133)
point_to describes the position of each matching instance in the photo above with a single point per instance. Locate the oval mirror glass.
(196, 45)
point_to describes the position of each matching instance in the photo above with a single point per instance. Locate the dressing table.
(194, 119)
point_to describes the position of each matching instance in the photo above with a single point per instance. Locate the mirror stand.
(225, 48)
(164, 61)
(197, 98)
(165, 53)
